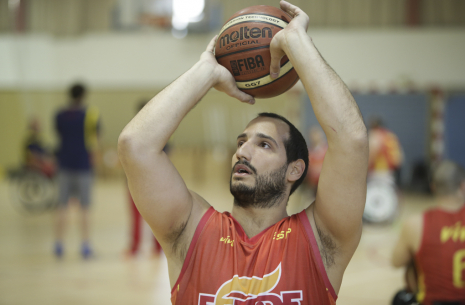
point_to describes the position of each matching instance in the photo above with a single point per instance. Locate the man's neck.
(76, 104)
(450, 202)
(255, 220)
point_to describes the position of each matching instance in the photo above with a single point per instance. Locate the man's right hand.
(280, 43)
(222, 79)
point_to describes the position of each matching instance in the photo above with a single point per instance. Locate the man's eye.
(265, 145)
(239, 144)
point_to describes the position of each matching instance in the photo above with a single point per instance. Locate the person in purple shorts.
(78, 127)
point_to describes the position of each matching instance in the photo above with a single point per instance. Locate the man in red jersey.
(256, 254)
(434, 241)
(385, 156)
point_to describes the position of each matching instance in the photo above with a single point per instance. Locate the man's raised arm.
(340, 198)
(158, 190)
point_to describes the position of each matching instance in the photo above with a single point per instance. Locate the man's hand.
(279, 43)
(223, 79)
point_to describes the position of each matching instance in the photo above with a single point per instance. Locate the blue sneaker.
(86, 251)
(58, 249)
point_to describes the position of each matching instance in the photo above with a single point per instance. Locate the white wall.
(363, 58)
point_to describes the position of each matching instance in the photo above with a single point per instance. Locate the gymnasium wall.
(363, 58)
(454, 136)
(121, 69)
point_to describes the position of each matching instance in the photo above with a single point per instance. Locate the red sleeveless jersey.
(440, 260)
(281, 265)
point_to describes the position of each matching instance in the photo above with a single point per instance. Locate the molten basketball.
(243, 47)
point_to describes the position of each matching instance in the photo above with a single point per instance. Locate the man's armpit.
(177, 239)
(328, 249)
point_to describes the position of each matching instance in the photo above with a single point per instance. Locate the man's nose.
(244, 151)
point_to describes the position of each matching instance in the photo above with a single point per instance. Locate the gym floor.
(30, 274)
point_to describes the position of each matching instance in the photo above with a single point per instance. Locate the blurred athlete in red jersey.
(256, 254)
(316, 156)
(385, 158)
(435, 241)
(385, 155)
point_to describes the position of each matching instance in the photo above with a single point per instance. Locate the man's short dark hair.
(77, 91)
(447, 177)
(295, 145)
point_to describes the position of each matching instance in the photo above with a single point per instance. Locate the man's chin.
(241, 185)
(242, 181)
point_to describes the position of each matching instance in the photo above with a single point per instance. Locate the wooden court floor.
(29, 273)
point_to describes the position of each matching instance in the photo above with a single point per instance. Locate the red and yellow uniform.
(389, 153)
(281, 265)
(440, 260)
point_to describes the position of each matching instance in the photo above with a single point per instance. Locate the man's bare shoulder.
(412, 228)
(199, 202)
(414, 222)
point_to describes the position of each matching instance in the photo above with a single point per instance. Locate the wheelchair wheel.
(33, 192)
(381, 203)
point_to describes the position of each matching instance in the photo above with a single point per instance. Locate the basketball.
(243, 47)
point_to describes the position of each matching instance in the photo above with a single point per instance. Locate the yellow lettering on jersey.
(459, 266)
(281, 234)
(227, 240)
(455, 232)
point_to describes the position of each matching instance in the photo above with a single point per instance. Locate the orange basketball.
(243, 47)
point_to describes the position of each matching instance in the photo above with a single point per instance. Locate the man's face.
(258, 176)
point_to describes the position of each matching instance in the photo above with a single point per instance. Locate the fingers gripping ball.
(243, 47)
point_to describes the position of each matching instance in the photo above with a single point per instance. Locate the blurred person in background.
(316, 155)
(36, 156)
(257, 253)
(385, 159)
(137, 222)
(78, 127)
(432, 244)
(385, 152)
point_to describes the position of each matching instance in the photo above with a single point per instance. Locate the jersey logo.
(252, 290)
(455, 232)
(226, 240)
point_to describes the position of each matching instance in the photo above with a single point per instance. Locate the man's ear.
(297, 169)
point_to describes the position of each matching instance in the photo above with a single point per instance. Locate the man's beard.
(269, 188)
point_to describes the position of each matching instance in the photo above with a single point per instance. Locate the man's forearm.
(332, 102)
(152, 127)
